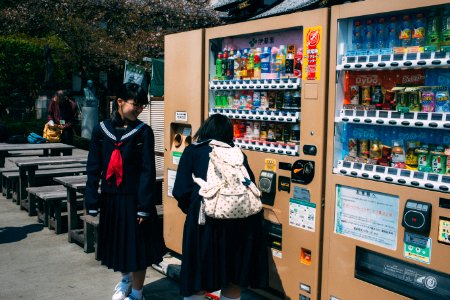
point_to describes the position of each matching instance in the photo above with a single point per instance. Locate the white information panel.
(171, 174)
(367, 216)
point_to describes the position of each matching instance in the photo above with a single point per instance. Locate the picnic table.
(28, 167)
(47, 148)
(74, 185)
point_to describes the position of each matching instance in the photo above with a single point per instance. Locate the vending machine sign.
(312, 51)
(367, 216)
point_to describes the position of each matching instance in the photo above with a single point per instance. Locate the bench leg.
(29, 204)
(58, 218)
(88, 237)
(9, 189)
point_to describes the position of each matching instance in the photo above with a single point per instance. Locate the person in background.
(121, 156)
(61, 112)
(222, 254)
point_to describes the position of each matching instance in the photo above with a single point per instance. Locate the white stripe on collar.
(113, 137)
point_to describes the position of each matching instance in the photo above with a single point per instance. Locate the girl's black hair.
(127, 91)
(216, 127)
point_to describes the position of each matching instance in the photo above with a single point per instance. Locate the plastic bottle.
(398, 156)
(393, 32)
(381, 34)
(230, 99)
(423, 159)
(256, 131)
(438, 160)
(432, 31)
(298, 63)
(250, 64)
(265, 62)
(405, 31)
(357, 34)
(243, 67)
(273, 62)
(219, 66)
(237, 65)
(418, 34)
(445, 27)
(264, 100)
(289, 66)
(224, 100)
(230, 65)
(369, 35)
(256, 100)
(375, 150)
(225, 64)
(295, 136)
(263, 131)
(280, 63)
(257, 64)
(218, 100)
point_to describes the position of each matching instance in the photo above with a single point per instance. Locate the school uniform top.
(222, 250)
(136, 146)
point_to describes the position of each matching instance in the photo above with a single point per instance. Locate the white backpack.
(228, 192)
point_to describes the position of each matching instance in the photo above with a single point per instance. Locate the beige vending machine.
(270, 77)
(387, 223)
(183, 112)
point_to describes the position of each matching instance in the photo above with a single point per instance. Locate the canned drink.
(414, 101)
(279, 127)
(263, 132)
(256, 100)
(296, 99)
(364, 148)
(377, 96)
(423, 159)
(354, 95)
(279, 104)
(366, 95)
(287, 133)
(438, 160)
(264, 100)
(352, 147)
(272, 96)
(287, 100)
(271, 132)
(248, 130)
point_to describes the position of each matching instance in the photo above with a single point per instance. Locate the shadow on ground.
(163, 289)
(15, 234)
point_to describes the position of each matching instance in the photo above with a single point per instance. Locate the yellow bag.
(52, 133)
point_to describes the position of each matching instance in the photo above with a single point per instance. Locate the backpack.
(228, 192)
(34, 138)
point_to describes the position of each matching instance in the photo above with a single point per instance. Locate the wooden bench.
(44, 177)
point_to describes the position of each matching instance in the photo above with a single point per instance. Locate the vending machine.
(387, 223)
(269, 77)
(183, 105)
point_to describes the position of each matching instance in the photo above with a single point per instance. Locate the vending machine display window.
(392, 95)
(255, 80)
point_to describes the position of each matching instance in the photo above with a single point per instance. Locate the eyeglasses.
(137, 105)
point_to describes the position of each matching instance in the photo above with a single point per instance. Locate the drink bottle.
(381, 34)
(265, 62)
(405, 31)
(357, 35)
(432, 31)
(250, 64)
(445, 27)
(230, 65)
(289, 65)
(393, 33)
(237, 65)
(298, 63)
(225, 64)
(257, 64)
(369, 34)
(418, 34)
(219, 66)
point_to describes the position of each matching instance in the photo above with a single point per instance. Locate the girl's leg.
(138, 284)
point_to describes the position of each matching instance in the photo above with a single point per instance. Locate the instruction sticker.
(418, 252)
(171, 174)
(302, 194)
(270, 165)
(302, 214)
(444, 231)
(181, 116)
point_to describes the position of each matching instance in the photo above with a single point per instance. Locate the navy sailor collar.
(132, 129)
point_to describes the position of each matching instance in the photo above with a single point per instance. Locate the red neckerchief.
(115, 166)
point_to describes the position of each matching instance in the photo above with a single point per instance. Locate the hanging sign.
(133, 73)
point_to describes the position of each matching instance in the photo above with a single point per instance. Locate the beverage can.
(441, 99)
(279, 128)
(366, 98)
(279, 100)
(428, 101)
(272, 95)
(287, 133)
(364, 148)
(256, 100)
(287, 100)
(295, 136)
(256, 131)
(438, 160)
(296, 99)
(352, 147)
(414, 101)
(377, 96)
(355, 95)
(423, 159)
(263, 131)
(271, 132)
(264, 101)
(248, 130)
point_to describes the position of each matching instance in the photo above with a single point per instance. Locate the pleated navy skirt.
(123, 244)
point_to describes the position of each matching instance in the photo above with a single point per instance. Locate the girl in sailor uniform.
(122, 161)
(222, 254)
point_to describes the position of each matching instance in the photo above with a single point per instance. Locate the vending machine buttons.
(417, 216)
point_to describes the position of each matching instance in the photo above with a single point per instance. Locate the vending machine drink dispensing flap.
(417, 216)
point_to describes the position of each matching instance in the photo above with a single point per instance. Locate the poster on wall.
(367, 216)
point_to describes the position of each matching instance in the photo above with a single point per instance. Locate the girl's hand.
(140, 220)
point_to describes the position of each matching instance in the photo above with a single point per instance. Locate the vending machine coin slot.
(267, 185)
(284, 166)
(417, 216)
(302, 171)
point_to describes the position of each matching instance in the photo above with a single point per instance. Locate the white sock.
(136, 293)
(128, 277)
(195, 297)
(222, 297)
